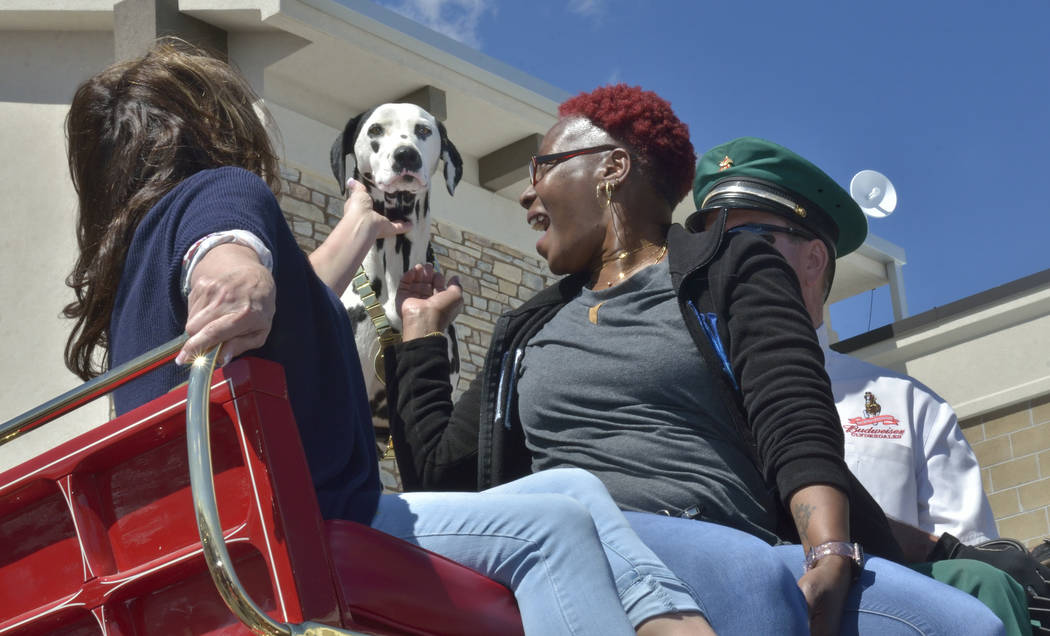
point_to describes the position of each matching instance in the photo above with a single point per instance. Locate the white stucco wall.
(979, 360)
(38, 72)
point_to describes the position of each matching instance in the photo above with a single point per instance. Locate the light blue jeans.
(744, 586)
(891, 599)
(557, 540)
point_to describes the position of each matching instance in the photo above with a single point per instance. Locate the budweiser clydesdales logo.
(874, 424)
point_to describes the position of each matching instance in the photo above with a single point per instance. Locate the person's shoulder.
(689, 252)
(231, 177)
(218, 199)
(842, 367)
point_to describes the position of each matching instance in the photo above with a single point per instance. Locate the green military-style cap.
(758, 174)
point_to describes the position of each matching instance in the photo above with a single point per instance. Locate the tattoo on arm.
(802, 514)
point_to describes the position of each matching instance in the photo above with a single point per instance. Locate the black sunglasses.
(558, 157)
(767, 232)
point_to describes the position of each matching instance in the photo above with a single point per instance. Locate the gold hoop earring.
(604, 192)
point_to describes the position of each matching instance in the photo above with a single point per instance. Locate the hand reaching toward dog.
(232, 301)
(338, 257)
(426, 304)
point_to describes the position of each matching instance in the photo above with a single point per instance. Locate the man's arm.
(950, 481)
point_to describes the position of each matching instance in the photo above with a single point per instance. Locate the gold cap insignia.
(799, 210)
(725, 164)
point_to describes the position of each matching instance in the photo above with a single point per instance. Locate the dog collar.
(386, 334)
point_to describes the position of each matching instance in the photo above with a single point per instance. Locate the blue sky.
(951, 100)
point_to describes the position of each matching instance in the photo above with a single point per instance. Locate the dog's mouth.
(404, 181)
(539, 221)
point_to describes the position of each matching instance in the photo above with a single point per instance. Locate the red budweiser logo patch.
(880, 426)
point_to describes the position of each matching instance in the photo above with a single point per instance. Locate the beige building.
(988, 355)
(316, 63)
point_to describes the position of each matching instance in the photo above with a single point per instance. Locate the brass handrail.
(202, 484)
(90, 390)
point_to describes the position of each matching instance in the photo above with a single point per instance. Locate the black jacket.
(774, 380)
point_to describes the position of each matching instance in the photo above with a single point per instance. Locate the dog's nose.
(407, 158)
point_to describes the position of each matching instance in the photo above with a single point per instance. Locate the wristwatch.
(851, 551)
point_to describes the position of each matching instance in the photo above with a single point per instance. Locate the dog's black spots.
(454, 358)
(381, 425)
(375, 130)
(357, 315)
(379, 244)
(404, 247)
(430, 253)
(378, 400)
(375, 146)
(398, 206)
(377, 287)
(420, 210)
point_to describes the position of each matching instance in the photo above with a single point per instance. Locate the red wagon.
(152, 524)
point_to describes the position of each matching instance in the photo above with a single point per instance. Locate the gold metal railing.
(202, 482)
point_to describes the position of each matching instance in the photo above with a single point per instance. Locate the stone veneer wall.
(1013, 448)
(495, 277)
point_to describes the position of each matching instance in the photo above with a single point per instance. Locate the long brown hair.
(134, 131)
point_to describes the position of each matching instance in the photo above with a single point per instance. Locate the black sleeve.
(779, 367)
(436, 443)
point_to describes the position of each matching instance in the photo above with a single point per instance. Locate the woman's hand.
(425, 303)
(825, 588)
(821, 514)
(232, 301)
(336, 259)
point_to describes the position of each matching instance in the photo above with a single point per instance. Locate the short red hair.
(645, 122)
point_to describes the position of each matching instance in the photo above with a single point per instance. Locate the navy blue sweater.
(311, 336)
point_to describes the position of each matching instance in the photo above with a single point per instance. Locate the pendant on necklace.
(592, 313)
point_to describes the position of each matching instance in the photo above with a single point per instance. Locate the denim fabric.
(891, 599)
(557, 540)
(740, 582)
(744, 586)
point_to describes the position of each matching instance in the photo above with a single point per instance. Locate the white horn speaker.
(874, 193)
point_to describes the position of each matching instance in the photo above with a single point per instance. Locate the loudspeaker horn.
(874, 193)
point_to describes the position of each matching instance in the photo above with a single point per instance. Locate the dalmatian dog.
(394, 150)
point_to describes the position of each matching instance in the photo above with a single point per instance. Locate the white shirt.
(905, 445)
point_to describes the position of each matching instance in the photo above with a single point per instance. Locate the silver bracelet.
(851, 551)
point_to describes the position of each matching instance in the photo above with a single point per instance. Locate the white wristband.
(197, 251)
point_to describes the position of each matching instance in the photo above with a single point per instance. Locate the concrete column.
(430, 99)
(138, 23)
(509, 164)
(900, 302)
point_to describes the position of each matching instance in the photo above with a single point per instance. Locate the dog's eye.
(423, 132)
(375, 130)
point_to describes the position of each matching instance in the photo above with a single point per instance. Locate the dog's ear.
(343, 146)
(453, 162)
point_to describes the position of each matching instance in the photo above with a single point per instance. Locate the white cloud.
(458, 19)
(588, 8)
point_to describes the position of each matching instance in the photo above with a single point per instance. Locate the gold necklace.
(592, 312)
(622, 254)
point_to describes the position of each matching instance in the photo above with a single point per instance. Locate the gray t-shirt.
(630, 399)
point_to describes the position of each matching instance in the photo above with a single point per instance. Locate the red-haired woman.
(604, 371)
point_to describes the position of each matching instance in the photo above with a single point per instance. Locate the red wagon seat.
(98, 536)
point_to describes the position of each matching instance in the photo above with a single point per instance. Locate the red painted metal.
(97, 536)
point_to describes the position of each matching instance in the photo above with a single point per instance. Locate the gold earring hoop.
(604, 192)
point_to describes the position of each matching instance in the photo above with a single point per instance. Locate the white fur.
(396, 189)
